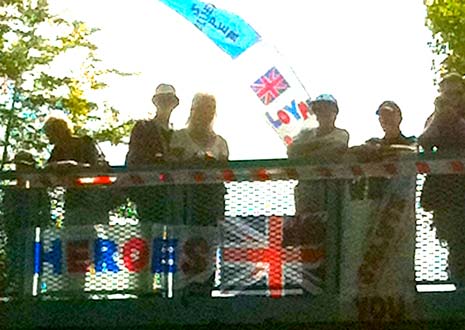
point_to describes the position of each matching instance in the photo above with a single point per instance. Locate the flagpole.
(290, 67)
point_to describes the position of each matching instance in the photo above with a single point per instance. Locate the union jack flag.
(255, 262)
(269, 86)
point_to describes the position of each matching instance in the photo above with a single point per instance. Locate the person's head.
(203, 111)
(58, 130)
(390, 117)
(452, 85)
(24, 162)
(165, 99)
(326, 109)
(451, 102)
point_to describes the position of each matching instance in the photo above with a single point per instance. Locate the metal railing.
(218, 240)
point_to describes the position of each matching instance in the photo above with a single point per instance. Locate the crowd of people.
(154, 142)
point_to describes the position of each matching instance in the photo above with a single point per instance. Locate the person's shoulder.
(86, 144)
(222, 139)
(145, 128)
(144, 124)
(179, 136)
(180, 132)
(341, 130)
(84, 138)
(305, 134)
(412, 139)
(373, 140)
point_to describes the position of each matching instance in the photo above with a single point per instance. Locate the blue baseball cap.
(328, 98)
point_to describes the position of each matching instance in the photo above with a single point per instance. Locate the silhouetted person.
(391, 146)
(323, 144)
(200, 204)
(149, 147)
(199, 145)
(73, 154)
(445, 194)
(384, 266)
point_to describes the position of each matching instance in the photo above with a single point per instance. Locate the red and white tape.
(208, 176)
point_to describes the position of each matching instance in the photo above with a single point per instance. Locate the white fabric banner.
(378, 249)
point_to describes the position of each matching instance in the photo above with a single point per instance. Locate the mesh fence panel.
(430, 255)
(258, 211)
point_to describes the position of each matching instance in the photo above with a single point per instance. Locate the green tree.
(446, 20)
(50, 64)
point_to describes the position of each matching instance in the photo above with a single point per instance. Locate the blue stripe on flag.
(227, 30)
(37, 257)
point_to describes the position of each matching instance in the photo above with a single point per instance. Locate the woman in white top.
(199, 144)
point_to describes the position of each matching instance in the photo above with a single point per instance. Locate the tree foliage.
(50, 64)
(446, 20)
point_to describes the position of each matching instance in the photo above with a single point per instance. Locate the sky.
(361, 51)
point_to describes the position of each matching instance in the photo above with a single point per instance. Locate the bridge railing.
(343, 241)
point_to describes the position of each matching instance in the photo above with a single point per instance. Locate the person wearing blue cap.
(324, 143)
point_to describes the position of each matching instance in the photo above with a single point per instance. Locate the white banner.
(378, 249)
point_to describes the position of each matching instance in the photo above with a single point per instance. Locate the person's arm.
(338, 140)
(332, 143)
(90, 152)
(53, 156)
(429, 137)
(136, 146)
(367, 152)
(299, 145)
(224, 150)
(175, 148)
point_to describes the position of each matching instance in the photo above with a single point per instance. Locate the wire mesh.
(247, 209)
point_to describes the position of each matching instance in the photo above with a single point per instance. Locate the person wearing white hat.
(150, 139)
(149, 147)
